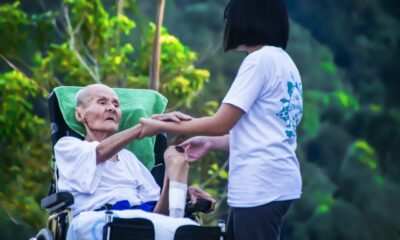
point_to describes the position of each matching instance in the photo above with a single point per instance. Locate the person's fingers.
(182, 116)
(172, 118)
(213, 202)
(186, 143)
(141, 135)
(193, 198)
(192, 158)
(143, 121)
(155, 116)
(169, 118)
(207, 196)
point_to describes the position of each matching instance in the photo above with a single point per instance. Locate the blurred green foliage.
(73, 42)
(347, 53)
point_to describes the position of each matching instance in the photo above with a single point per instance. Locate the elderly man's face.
(100, 110)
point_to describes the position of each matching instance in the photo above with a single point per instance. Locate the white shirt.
(95, 185)
(263, 166)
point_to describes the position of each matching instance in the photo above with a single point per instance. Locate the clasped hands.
(153, 125)
(196, 147)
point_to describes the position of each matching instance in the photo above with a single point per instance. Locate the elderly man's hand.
(172, 117)
(150, 127)
(195, 193)
(172, 153)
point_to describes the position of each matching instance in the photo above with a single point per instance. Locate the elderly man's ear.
(78, 115)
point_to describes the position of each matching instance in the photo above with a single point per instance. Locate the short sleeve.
(248, 84)
(76, 163)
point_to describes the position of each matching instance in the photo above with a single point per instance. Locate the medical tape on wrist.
(177, 195)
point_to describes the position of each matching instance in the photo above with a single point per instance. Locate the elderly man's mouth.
(111, 119)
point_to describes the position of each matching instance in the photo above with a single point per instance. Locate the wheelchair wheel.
(44, 234)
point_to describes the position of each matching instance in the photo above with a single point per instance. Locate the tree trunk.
(155, 60)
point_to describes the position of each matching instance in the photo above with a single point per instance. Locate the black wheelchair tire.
(44, 234)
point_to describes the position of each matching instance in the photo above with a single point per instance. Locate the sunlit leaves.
(364, 153)
(328, 66)
(181, 81)
(16, 120)
(21, 141)
(12, 22)
(326, 203)
(210, 108)
(121, 23)
(345, 100)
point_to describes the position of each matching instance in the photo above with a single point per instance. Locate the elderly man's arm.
(113, 144)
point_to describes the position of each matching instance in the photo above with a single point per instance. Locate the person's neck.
(248, 49)
(97, 136)
(253, 48)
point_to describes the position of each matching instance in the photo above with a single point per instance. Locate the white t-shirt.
(263, 166)
(95, 185)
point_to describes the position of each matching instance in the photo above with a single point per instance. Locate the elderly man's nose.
(111, 108)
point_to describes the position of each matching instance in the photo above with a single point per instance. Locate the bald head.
(84, 95)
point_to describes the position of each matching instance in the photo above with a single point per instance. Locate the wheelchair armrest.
(57, 201)
(200, 206)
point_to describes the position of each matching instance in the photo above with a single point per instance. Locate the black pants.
(257, 223)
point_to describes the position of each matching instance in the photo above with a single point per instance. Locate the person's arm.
(113, 144)
(218, 124)
(176, 171)
(219, 142)
(163, 203)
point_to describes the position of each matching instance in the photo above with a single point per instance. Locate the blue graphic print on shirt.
(292, 107)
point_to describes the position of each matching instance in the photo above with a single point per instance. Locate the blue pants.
(257, 223)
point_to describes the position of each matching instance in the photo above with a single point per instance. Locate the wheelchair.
(58, 203)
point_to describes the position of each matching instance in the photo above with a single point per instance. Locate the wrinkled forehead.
(93, 93)
(104, 93)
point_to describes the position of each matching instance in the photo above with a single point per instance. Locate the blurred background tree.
(347, 53)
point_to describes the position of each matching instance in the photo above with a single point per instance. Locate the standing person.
(256, 121)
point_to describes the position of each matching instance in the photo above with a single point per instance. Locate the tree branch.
(71, 41)
(15, 68)
(155, 60)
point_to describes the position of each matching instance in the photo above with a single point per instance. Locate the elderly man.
(100, 173)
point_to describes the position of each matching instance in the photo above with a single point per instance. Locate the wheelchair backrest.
(59, 127)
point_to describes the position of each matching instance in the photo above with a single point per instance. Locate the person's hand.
(172, 153)
(172, 117)
(150, 127)
(196, 147)
(195, 193)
